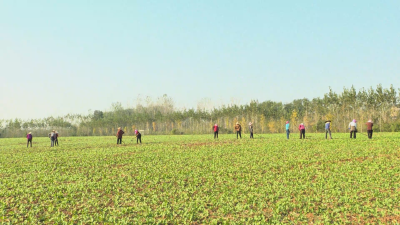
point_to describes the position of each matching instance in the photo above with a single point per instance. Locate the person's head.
(302, 124)
(215, 125)
(237, 123)
(54, 131)
(119, 128)
(354, 121)
(30, 133)
(250, 123)
(287, 122)
(370, 121)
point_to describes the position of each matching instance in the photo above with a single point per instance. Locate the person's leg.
(52, 142)
(137, 140)
(304, 134)
(217, 134)
(326, 133)
(355, 132)
(240, 134)
(237, 134)
(140, 139)
(300, 134)
(330, 133)
(287, 134)
(30, 142)
(351, 134)
(27, 144)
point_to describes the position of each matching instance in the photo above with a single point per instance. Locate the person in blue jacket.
(287, 129)
(328, 129)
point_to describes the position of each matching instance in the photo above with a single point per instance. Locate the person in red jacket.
(302, 130)
(215, 128)
(119, 135)
(29, 137)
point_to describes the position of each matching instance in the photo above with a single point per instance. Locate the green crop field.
(196, 180)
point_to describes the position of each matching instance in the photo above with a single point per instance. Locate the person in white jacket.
(353, 128)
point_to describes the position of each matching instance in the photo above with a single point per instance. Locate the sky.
(60, 57)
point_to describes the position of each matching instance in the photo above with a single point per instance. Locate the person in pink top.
(29, 137)
(138, 137)
(302, 130)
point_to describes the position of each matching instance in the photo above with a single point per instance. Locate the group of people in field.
(302, 129)
(53, 139)
(120, 132)
(238, 128)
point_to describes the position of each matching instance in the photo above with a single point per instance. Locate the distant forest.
(160, 116)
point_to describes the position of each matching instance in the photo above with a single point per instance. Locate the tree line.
(162, 117)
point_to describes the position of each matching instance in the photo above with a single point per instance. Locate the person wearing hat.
(328, 129)
(215, 129)
(29, 137)
(369, 124)
(302, 130)
(287, 129)
(353, 128)
(52, 137)
(238, 129)
(251, 129)
(138, 137)
(119, 135)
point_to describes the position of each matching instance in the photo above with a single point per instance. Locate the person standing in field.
(287, 129)
(328, 129)
(302, 130)
(238, 129)
(353, 128)
(138, 137)
(56, 139)
(119, 135)
(29, 138)
(215, 128)
(52, 137)
(251, 129)
(369, 124)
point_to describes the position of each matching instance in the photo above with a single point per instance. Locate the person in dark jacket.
(56, 139)
(138, 137)
(238, 129)
(216, 129)
(119, 135)
(302, 130)
(369, 124)
(29, 138)
(251, 129)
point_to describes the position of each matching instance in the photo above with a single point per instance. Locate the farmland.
(199, 180)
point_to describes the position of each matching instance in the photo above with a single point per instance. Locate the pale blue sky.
(59, 57)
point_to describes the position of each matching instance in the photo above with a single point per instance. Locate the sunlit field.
(199, 180)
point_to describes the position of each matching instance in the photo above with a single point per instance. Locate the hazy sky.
(59, 57)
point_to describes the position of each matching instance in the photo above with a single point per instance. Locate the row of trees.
(161, 116)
